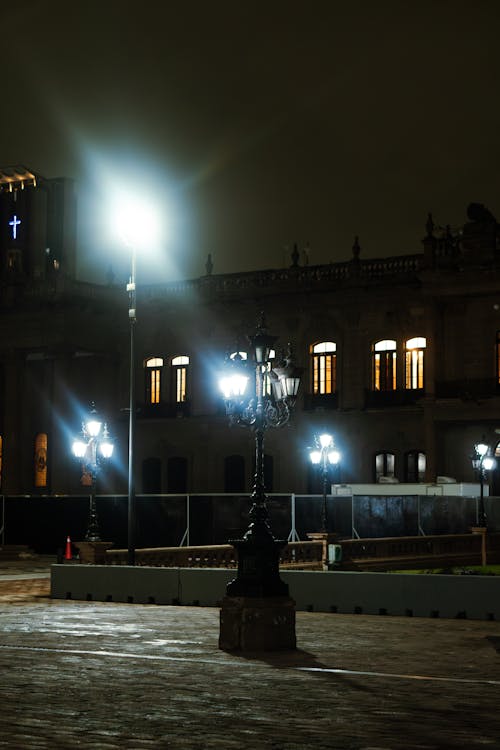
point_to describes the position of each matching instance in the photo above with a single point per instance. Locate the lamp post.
(324, 455)
(138, 224)
(131, 416)
(92, 447)
(271, 405)
(483, 462)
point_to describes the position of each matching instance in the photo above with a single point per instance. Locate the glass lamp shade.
(233, 385)
(481, 449)
(325, 440)
(106, 448)
(315, 457)
(489, 463)
(93, 427)
(262, 344)
(289, 376)
(334, 457)
(79, 448)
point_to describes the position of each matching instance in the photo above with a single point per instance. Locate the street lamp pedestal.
(92, 552)
(257, 613)
(253, 623)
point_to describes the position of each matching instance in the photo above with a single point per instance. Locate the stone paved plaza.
(103, 676)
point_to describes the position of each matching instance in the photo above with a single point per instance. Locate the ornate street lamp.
(270, 405)
(482, 461)
(324, 455)
(92, 447)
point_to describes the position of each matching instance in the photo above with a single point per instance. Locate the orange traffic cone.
(68, 555)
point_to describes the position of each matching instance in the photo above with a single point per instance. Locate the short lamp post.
(270, 403)
(92, 447)
(324, 455)
(483, 462)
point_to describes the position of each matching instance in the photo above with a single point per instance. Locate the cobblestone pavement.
(106, 676)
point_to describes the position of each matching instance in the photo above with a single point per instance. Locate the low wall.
(473, 597)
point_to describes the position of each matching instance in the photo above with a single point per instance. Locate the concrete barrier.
(473, 597)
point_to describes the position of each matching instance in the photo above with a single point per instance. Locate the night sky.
(257, 125)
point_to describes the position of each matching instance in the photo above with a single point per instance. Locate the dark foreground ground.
(108, 676)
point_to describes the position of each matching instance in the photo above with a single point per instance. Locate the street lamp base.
(249, 623)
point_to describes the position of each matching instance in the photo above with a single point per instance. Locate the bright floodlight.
(315, 457)
(137, 221)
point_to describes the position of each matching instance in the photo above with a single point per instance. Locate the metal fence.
(44, 522)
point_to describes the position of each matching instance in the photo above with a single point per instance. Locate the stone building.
(401, 358)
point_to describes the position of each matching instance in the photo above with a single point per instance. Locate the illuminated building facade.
(401, 359)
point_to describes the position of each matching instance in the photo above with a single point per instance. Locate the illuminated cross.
(14, 224)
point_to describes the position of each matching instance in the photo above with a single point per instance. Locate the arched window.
(40, 460)
(151, 476)
(415, 465)
(384, 465)
(414, 363)
(324, 367)
(177, 474)
(234, 474)
(153, 367)
(384, 365)
(180, 366)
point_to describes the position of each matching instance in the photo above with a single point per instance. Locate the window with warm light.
(324, 367)
(414, 363)
(153, 366)
(180, 366)
(384, 365)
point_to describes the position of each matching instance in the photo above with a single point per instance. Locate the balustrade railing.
(361, 554)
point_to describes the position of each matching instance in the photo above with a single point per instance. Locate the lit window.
(324, 367)
(414, 362)
(40, 460)
(179, 368)
(384, 465)
(154, 367)
(384, 365)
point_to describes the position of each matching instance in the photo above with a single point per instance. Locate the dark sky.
(258, 124)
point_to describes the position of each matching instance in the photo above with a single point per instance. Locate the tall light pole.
(324, 455)
(92, 447)
(131, 417)
(137, 224)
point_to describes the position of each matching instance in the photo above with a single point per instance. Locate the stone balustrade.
(362, 554)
